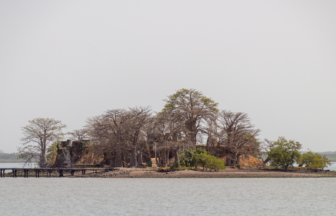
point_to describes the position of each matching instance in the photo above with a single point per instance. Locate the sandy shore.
(230, 173)
(154, 173)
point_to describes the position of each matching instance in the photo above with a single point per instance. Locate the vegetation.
(285, 153)
(314, 160)
(126, 136)
(37, 136)
(199, 156)
(188, 157)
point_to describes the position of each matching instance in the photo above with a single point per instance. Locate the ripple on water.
(64, 196)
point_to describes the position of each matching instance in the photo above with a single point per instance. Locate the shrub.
(202, 159)
(215, 164)
(314, 160)
(187, 158)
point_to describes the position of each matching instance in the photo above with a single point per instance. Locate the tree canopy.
(314, 160)
(285, 153)
(37, 136)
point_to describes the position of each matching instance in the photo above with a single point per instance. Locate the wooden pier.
(48, 171)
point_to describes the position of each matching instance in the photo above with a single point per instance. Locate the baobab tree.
(120, 130)
(237, 134)
(80, 135)
(193, 108)
(37, 136)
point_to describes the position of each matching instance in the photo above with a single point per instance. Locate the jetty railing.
(48, 171)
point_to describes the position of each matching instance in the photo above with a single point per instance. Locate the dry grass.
(250, 161)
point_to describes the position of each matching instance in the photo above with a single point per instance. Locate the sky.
(71, 60)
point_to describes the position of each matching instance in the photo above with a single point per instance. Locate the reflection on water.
(66, 196)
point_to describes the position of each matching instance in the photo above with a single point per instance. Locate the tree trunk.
(176, 156)
(266, 161)
(234, 160)
(140, 157)
(228, 160)
(207, 144)
(133, 157)
(118, 159)
(167, 158)
(43, 158)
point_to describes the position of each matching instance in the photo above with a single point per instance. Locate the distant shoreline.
(13, 162)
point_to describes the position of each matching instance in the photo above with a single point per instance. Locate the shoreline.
(154, 173)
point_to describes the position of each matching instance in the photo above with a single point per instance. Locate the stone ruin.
(69, 152)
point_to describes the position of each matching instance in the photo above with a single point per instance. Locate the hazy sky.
(70, 60)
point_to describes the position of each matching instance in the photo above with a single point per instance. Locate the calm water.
(64, 196)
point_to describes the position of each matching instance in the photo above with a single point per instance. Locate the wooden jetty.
(49, 171)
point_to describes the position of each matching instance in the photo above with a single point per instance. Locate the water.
(17, 165)
(332, 167)
(97, 196)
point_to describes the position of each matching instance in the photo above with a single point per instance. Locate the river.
(234, 197)
(99, 196)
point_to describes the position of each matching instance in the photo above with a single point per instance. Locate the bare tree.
(38, 135)
(140, 116)
(265, 148)
(119, 131)
(81, 134)
(237, 134)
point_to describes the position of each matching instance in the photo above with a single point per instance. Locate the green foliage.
(187, 158)
(314, 160)
(52, 152)
(285, 153)
(201, 157)
(215, 164)
(183, 96)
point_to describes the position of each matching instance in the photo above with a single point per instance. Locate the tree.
(80, 135)
(215, 164)
(314, 160)
(265, 148)
(37, 136)
(193, 108)
(188, 157)
(118, 131)
(237, 134)
(203, 159)
(285, 153)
